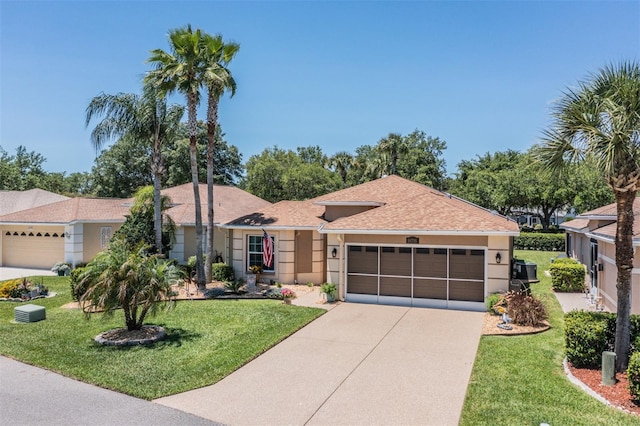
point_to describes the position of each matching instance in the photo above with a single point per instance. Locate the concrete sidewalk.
(357, 364)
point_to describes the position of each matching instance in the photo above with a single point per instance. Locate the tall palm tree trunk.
(191, 107)
(624, 261)
(212, 119)
(157, 169)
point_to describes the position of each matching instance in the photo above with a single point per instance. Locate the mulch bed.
(490, 327)
(617, 395)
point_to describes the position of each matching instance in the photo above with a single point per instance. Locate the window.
(105, 236)
(254, 253)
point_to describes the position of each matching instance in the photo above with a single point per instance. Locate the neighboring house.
(76, 229)
(386, 241)
(590, 238)
(14, 201)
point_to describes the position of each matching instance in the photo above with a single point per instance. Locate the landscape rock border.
(122, 337)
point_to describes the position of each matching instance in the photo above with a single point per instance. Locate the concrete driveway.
(357, 364)
(10, 273)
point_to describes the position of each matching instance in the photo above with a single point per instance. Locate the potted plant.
(256, 270)
(288, 295)
(62, 268)
(330, 291)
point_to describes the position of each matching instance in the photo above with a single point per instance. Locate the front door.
(593, 268)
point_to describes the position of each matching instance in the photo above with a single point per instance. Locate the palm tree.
(342, 162)
(180, 70)
(393, 146)
(217, 77)
(601, 121)
(120, 279)
(146, 119)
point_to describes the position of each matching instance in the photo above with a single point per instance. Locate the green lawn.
(206, 341)
(519, 380)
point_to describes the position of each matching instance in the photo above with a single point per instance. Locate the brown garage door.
(416, 275)
(32, 249)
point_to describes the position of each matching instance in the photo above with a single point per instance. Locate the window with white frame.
(255, 253)
(105, 236)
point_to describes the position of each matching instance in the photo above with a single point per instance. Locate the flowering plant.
(288, 293)
(255, 269)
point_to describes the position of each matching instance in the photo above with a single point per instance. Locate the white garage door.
(32, 249)
(416, 276)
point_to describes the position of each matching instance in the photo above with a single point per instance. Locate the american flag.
(267, 249)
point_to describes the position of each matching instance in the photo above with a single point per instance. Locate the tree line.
(509, 182)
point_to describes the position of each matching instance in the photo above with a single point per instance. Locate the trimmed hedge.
(633, 374)
(588, 334)
(222, 272)
(567, 275)
(540, 242)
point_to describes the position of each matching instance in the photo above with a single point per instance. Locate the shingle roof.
(404, 206)
(73, 210)
(14, 201)
(610, 211)
(575, 224)
(410, 206)
(229, 203)
(294, 214)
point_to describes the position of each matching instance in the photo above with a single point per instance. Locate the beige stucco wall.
(335, 212)
(219, 241)
(91, 238)
(284, 250)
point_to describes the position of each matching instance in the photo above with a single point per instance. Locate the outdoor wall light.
(498, 257)
(334, 252)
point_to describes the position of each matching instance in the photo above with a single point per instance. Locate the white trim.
(449, 233)
(597, 217)
(611, 240)
(269, 228)
(607, 259)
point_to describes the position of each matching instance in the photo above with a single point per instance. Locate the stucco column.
(74, 243)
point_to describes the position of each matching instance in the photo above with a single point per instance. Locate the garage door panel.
(395, 286)
(467, 264)
(363, 260)
(470, 291)
(429, 262)
(395, 261)
(32, 252)
(453, 276)
(363, 284)
(430, 289)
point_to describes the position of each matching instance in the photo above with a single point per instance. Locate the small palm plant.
(137, 283)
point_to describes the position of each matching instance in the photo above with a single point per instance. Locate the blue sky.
(480, 75)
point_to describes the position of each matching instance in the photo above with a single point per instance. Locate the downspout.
(341, 292)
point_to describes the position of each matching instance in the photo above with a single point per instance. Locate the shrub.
(539, 241)
(77, 289)
(633, 374)
(222, 272)
(587, 335)
(234, 286)
(11, 288)
(491, 301)
(525, 309)
(330, 289)
(567, 275)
